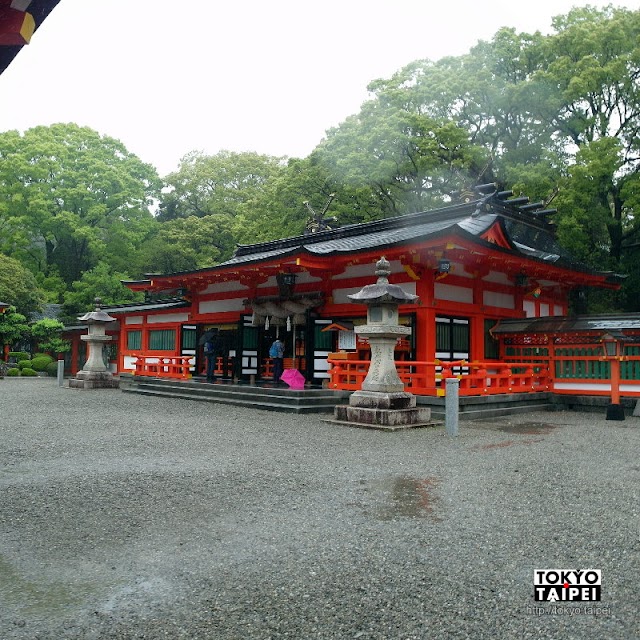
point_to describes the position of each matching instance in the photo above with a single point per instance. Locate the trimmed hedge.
(19, 355)
(13, 372)
(28, 372)
(52, 369)
(24, 363)
(40, 362)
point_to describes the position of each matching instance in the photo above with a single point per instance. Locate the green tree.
(47, 334)
(18, 286)
(99, 282)
(70, 198)
(189, 243)
(220, 185)
(13, 327)
(391, 160)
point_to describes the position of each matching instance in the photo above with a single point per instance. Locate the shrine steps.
(494, 406)
(267, 397)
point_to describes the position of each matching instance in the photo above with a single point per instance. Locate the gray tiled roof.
(381, 233)
(147, 306)
(526, 230)
(554, 324)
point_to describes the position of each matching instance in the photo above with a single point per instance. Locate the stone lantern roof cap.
(97, 315)
(382, 291)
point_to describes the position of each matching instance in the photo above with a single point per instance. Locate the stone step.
(229, 400)
(479, 407)
(269, 398)
(324, 400)
(496, 412)
(248, 393)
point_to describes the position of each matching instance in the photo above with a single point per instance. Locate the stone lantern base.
(94, 380)
(384, 411)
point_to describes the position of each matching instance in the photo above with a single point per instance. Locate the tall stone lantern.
(382, 401)
(94, 374)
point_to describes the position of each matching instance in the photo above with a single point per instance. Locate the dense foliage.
(556, 117)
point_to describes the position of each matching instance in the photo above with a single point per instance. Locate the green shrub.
(52, 369)
(19, 355)
(24, 363)
(28, 372)
(40, 362)
(13, 372)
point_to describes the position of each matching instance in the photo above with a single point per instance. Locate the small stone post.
(60, 373)
(451, 406)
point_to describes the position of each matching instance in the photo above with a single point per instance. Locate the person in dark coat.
(211, 349)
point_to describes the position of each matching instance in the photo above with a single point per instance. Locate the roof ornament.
(316, 221)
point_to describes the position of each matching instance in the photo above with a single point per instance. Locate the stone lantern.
(382, 402)
(94, 374)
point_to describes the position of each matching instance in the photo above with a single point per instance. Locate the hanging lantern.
(253, 319)
(288, 323)
(266, 323)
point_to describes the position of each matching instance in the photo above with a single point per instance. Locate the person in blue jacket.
(276, 352)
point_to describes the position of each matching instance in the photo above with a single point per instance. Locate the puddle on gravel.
(528, 428)
(29, 595)
(407, 497)
(504, 443)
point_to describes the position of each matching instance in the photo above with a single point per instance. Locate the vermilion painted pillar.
(425, 318)
(476, 351)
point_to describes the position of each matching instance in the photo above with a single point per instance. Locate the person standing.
(276, 352)
(211, 348)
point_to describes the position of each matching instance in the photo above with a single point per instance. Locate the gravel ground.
(124, 516)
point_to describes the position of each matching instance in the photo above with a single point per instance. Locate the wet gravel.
(124, 516)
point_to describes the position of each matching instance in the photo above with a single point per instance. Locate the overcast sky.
(167, 77)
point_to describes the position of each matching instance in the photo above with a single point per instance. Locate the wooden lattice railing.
(163, 366)
(426, 378)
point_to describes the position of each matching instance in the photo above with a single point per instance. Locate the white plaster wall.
(220, 287)
(340, 295)
(220, 306)
(497, 299)
(497, 277)
(453, 293)
(544, 309)
(168, 317)
(529, 308)
(364, 270)
(134, 320)
(271, 282)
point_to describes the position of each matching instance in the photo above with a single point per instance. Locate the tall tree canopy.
(219, 185)
(538, 112)
(70, 197)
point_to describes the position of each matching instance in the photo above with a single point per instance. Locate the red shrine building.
(492, 258)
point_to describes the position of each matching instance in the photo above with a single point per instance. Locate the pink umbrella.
(293, 378)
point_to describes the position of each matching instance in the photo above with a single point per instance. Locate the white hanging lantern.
(266, 323)
(288, 323)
